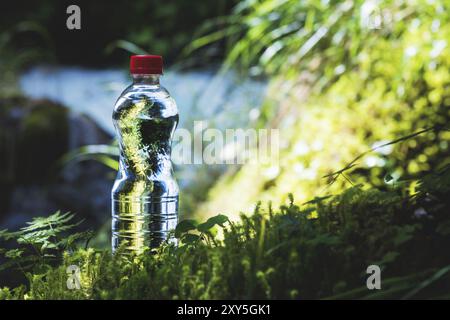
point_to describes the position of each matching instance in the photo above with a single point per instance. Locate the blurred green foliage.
(318, 250)
(141, 25)
(340, 84)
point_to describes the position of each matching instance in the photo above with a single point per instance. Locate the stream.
(224, 101)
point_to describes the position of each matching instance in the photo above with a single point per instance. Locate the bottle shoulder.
(156, 94)
(156, 91)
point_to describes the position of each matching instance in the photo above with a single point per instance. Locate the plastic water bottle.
(145, 193)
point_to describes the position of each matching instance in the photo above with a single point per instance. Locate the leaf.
(220, 219)
(14, 262)
(190, 238)
(79, 236)
(103, 153)
(388, 178)
(388, 258)
(42, 233)
(436, 276)
(125, 45)
(317, 200)
(3, 233)
(185, 226)
(14, 253)
(6, 235)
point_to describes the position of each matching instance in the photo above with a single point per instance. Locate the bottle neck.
(147, 79)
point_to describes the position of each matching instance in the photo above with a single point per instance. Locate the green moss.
(318, 250)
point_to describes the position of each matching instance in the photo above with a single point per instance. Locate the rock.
(34, 135)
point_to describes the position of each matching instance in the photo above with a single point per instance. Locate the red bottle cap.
(146, 64)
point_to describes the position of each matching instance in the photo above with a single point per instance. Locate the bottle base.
(145, 222)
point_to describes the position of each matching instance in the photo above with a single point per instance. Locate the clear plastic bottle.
(145, 193)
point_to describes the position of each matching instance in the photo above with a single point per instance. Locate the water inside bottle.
(145, 194)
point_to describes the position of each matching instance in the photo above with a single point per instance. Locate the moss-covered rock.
(37, 135)
(43, 138)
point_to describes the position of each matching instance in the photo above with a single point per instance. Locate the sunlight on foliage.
(339, 88)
